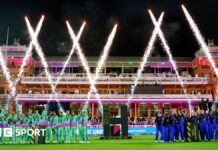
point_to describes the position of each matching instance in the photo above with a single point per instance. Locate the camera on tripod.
(204, 104)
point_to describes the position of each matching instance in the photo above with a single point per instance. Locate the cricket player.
(55, 127)
(18, 119)
(172, 122)
(5, 125)
(11, 122)
(180, 121)
(158, 122)
(212, 125)
(35, 124)
(48, 119)
(216, 125)
(73, 125)
(203, 124)
(1, 110)
(67, 133)
(43, 119)
(36, 118)
(165, 128)
(1, 124)
(13, 126)
(26, 126)
(85, 121)
(80, 128)
(61, 127)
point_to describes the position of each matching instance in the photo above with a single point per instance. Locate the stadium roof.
(96, 58)
(121, 58)
(14, 53)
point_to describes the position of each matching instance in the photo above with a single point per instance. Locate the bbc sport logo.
(6, 132)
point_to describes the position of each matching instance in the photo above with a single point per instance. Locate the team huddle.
(171, 126)
(61, 128)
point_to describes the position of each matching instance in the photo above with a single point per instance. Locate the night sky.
(134, 29)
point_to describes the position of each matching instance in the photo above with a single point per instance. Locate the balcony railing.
(118, 80)
(4, 96)
(112, 97)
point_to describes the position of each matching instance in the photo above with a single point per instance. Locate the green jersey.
(30, 117)
(61, 121)
(54, 121)
(74, 118)
(85, 120)
(1, 113)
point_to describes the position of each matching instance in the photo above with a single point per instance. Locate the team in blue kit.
(172, 127)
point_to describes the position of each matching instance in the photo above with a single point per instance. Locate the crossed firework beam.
(200, 39)
(84, 62)
(75, 39)
(76, 46)
(12, 85)
(156, 32)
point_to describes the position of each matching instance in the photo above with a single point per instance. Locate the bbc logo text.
(9, 132)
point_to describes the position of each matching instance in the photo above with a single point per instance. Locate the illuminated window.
(166, 108)
(154, 108)
(143, 110)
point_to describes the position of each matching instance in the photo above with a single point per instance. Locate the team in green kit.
(60, 128)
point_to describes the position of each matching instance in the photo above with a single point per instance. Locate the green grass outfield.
(137, 143)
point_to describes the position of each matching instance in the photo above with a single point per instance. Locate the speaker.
(41, 138)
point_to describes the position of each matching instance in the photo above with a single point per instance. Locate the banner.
(131, 131)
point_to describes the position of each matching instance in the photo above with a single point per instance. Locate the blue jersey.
(216, 118)
(203, 118)
(212, 119)
(158, 120)
(172, 120)
(166, 121)
(180, 119)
